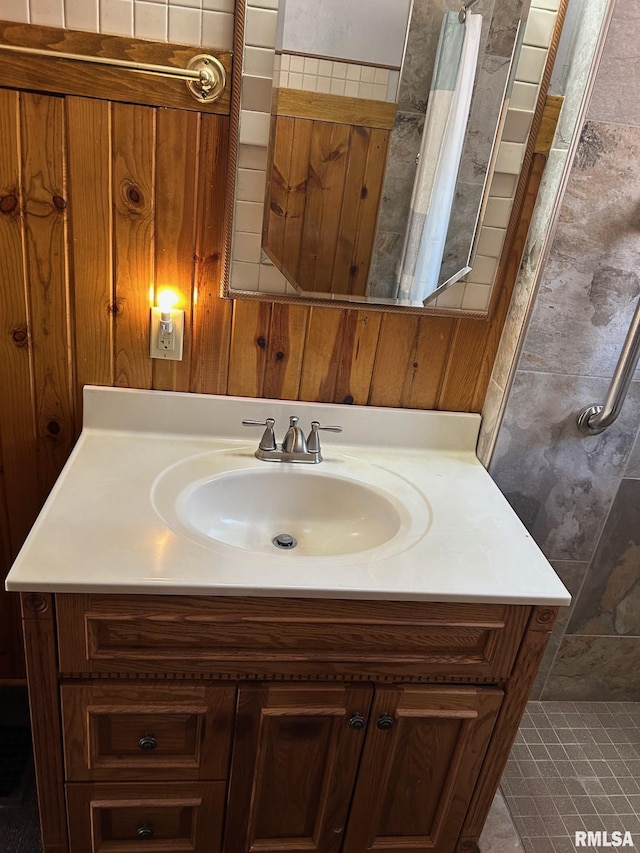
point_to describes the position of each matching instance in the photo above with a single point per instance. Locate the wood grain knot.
(348, 400)
(262, 342)
(279, 355)
(20, 335)
(115, 308)
(134, 196)
(36, 603)
(8, 204)
(59, 203)
(53, 428)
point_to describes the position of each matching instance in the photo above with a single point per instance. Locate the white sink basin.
(340, 509)
(317, 514)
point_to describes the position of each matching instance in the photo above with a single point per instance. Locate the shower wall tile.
(572, 575)
(504, 26)
(592, 280)
(633, 466)
(610, 600)
(491, 411)
(560, 483)
(612, 98)
(595, 669)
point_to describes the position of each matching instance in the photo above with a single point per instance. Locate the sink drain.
(284, 540)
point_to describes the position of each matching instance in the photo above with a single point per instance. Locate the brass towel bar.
(204, 75)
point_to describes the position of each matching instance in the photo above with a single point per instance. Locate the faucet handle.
(313, 442)
(268, 440)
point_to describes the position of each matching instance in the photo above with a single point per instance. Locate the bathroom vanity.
(196, 693)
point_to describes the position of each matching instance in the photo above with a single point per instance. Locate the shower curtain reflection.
(440, 155)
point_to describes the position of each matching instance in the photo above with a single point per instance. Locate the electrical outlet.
(166, 339)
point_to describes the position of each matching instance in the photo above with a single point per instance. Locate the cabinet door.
(295, 756)
(422, 755)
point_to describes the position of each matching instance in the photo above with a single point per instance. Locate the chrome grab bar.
(595, 418)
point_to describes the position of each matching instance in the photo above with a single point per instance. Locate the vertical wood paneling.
(371, 197)
(319, 364)
(297, 195)
(17, 408)
(177, 141)
(345, 278)
(46, 245)
(212, 315)
(285, 348)
(249, 341)
(464, 359)
(410, 361)
(356, 357)
(133, 200)
(92, 307)
(280, 188)
(339, 356)
(11, 665)
(325, 187)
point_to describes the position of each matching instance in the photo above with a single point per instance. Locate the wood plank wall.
(325, 191)
(101, 201)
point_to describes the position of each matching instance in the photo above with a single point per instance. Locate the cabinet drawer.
(165, 818)
(287, 637)
(127, 730)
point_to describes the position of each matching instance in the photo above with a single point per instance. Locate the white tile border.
(199, 23)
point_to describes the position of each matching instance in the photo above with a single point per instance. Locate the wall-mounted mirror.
(368, 135)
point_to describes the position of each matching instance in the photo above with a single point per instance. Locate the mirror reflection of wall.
(290, 190)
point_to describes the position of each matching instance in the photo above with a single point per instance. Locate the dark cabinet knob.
(385, 721)
(145, 831)
(357, 722)
(147, 742)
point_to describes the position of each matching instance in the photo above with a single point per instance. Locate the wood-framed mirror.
(310, 227)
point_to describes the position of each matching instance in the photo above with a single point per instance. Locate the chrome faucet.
(295, 447)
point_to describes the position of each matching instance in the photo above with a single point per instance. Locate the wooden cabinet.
(130, 731)
(421, 758)
(241, 725)
(352, 768)
(295, 758)
(162, 817)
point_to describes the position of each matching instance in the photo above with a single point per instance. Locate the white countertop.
(99, 531)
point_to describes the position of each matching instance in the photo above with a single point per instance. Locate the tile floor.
(574, 766)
